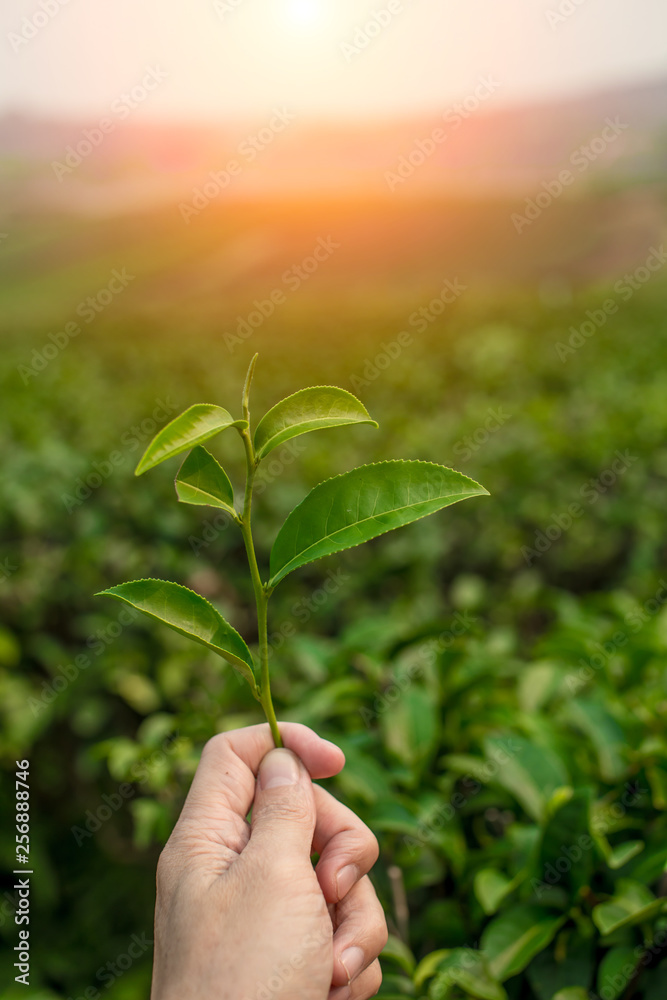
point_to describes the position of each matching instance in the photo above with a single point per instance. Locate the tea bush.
(495, 675)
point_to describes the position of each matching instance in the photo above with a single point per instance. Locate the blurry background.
(457, 211)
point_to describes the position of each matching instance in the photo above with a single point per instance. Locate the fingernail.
(352, 961)
(279, 767)
(345, 879)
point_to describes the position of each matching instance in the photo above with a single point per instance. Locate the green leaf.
(428, 966)
(657, 779)
(491, 887)
(622, 853)
(567, 851)
(467, 969)
(513, 938)
(411, 726)
(632, 904)
(569, 964)
(593, 719)
(190, 615)
(651, 865)
(363, 775)
(193, 427)
(398, 952)
(308, 410)
(385, 996)
(615, 972)
(359, 505)
(201, 480)
(571, 993)
(532, 773)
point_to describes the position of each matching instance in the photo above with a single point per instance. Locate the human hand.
(241, 914)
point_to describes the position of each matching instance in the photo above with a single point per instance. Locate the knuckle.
(167, 869)
(383, 935)
(372, 847)
(292, 809)
(215, 746)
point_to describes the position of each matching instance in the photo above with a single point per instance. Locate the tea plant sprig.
(338, 514)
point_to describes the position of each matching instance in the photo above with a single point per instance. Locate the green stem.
(261, 595)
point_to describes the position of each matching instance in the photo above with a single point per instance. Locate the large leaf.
(467, 969)
(571, 962)
(632, 904)
(531, 773)
(308, 410)
(411, 725)
(594, 720)
(193, 427)
(201, 480)
(359, 505)
(513, 938)
(188, 613)
(567, 851)
(616, 971)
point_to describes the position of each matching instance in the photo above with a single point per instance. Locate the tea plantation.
(496, 674)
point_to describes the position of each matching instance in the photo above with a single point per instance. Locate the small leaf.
(657, 779)
(467, 969)
(193, 427)
(572, 993)
(622, 853)
(201, 480)
(359, 505)
(491, 887)
(428, 966)
(513, 938)
(308, 410)
(651, 865)
(398, 952)
(190, 615)
(632, 904)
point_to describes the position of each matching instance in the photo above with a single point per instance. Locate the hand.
(241, 914)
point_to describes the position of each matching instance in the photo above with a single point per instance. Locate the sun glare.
(305, 13)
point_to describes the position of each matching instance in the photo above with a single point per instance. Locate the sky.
(216, 60)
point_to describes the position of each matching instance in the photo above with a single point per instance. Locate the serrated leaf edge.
(311, 388)
(390, 461)
(221, 505)
(234, 660)
(242, 424)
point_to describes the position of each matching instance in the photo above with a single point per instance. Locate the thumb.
(283, 815)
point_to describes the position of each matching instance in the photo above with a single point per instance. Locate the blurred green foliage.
(496, 674)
